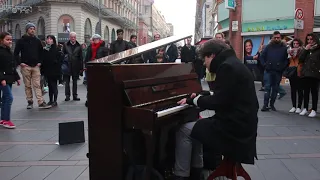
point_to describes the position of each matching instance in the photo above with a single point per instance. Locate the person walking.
(52, 60)
(8, 76)
(31, 50)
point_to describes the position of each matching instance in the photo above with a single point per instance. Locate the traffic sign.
(299, 14)
(298, 24)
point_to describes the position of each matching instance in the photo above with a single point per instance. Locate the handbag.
(65, 65)
(290, 72)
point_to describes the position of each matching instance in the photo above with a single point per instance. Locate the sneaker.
(67, 99)
(273, 108)
(1, 122)
(30, 105)
(264, 108)
(298, 111)
(44, 106)
(312, 114)
(8, 124)
(50, 103)
(304, 112)
(292, 110)
(60, 85)
(54, 104)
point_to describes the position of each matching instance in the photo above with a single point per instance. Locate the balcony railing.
(105, 12)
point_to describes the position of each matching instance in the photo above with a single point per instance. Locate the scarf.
(94, 48)
(47, 47)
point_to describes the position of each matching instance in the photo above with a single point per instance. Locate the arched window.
(98, 29)
(106, 34)
(113, 35)
(87, 30)
(41, 29)
(17, 32)
(66, 24)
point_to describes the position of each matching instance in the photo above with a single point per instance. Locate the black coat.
(52, 61)
(118, 46)
(30, 48)
(101, 52)
(172, 53)
(8, 69)
(233, 129)
(188, 55)
(310, 60)
(74, 57)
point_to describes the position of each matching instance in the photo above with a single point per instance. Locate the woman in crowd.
(295, 81)
(8, 76)
(310, 73)
(52, 60)
(97, 49)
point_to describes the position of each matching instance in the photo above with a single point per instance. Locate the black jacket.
(118, 46)
(188, 55)
(8, 66)
(275, 57)
(310, 60)
(30, 48)
(52, 61)
(236, 106)
(74, 56)
(172, 53)
(101, 52)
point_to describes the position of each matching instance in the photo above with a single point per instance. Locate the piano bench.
(229, 169)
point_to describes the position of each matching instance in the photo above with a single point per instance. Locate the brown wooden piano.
(132, 96)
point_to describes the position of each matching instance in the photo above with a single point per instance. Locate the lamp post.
(99, 30)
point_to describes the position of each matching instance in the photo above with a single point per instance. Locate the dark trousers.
(66, 79)
(310, 85)
(272, 81)
(53, 88)
(296, 88)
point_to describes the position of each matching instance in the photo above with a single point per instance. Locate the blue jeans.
(272, 81)
(7, 100)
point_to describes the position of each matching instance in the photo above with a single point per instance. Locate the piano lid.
(122, 56)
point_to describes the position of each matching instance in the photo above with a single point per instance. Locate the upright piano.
(123, 97)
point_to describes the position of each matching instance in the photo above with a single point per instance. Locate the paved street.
(288, 144)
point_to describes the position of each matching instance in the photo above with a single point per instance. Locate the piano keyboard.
(172, 110)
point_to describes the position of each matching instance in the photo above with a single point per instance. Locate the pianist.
(232, 130)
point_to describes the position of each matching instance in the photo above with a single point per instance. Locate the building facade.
(206, 19)
(256, 21)
(82, 16)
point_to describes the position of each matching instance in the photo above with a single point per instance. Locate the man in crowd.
(30, 48)
(274, 59)
(73, 56)
(119, 45)
(171, 52)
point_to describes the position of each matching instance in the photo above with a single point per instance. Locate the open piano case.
(130, 105)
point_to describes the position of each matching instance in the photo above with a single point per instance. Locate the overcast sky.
(181, 13)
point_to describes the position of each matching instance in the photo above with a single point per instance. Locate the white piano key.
(172, 110)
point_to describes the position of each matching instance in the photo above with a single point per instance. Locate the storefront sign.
(266, 28)
(230, 4)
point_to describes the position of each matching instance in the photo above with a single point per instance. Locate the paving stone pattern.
(288, 144)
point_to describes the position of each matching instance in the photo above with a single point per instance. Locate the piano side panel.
(126, 72)
(105, 124)
(152, 93)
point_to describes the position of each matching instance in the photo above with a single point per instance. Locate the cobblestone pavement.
(288, 144)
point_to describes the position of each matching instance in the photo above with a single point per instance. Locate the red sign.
(299, 14)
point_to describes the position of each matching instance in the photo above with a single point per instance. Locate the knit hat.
(29, 25)
(96, 36)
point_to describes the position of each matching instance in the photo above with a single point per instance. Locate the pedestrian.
(8, 76)
(31, 50)
(52, 67)
(310, 73)
(73, 62)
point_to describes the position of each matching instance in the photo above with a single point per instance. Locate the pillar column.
(308, 8)
(235, 36)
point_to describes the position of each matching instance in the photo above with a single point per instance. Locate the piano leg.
(150, 153)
